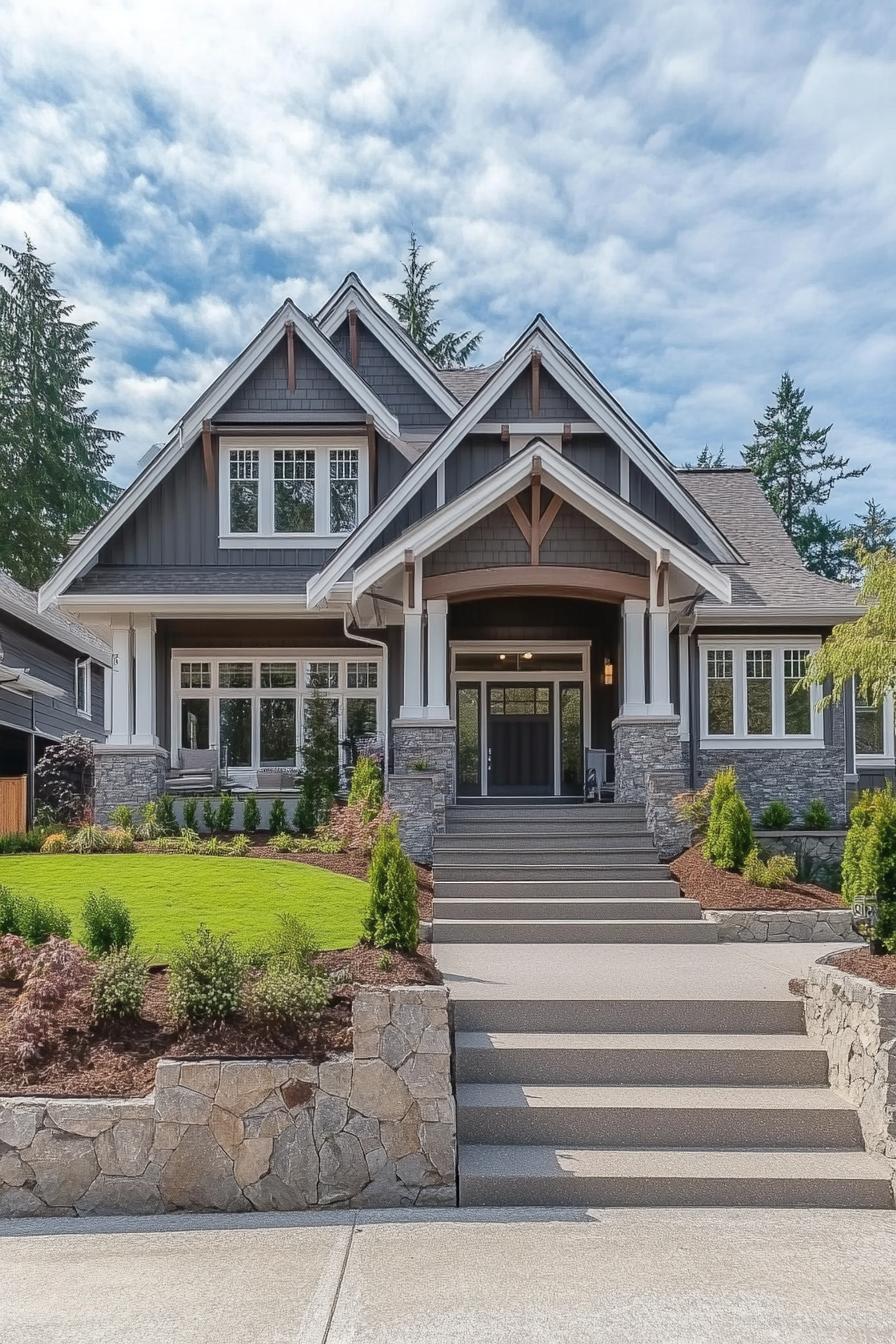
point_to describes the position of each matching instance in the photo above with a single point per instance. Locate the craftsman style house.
(492, 574)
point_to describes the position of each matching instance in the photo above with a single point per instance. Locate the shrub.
(56, 843)
(205, 977)
(353, 828)
(317, 844)
(366, 791)
(122, 816)
(107, 923)
(281, 999)
(694, 807)
(165, 814)
(190, 841)
(320, 764)
(392, 917)
(817, 817)
(59, 976)
(119, 985)
(150, 827)
(862, 819)
(282, 842)
(225, 812)
(776, 816)
(210, 815)
(239, 846)
(119, 840)
(729, 833)
(293, 944)
(216, 848)
(89, 839)
(776, 871)
(251, 815)
(869, 862)
(40, 920)
(277, 821)
(63, 779)
(16, 957)
(189, 814)
(9, 912)
(23, 842)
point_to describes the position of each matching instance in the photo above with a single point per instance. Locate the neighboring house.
(491, 570)
(53, 675)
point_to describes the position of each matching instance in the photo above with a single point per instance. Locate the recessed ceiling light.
(502, 657)
(527, 655)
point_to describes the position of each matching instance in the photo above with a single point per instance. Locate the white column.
(437, 659)
(660, 689)
(412, 700)
(121, 682)
(144, 682)
(684, 683)
(633, 609)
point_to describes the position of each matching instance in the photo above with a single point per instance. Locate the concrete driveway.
(661, 1276)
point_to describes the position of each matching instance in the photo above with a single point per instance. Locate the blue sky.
(697, 195)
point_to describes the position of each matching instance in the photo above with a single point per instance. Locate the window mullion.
(321, 492)
(739, 674)
(778, 710)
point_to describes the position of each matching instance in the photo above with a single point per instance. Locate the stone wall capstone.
(371, 1129)
(131, 775)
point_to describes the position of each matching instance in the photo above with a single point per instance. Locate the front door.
(520, 738)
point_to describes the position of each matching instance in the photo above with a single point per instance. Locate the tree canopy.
(53, 455)
(709, 459)
(415, 308)
(864, 648)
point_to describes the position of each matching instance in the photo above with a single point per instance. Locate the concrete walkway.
(652, 1276)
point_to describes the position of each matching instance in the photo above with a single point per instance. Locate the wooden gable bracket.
(409, 581)
(353, 337)
(535, 510)
(535, 528)
(535, 383)
(290, 355)
(566, 437)
(371, 460)
(208, 453)
(505, 435)
(662, 578)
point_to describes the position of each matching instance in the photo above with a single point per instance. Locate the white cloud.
(697, 194)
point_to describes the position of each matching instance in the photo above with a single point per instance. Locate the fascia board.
(797, 616)
(38, 621)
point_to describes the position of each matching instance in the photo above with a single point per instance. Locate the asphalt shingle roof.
(198, 581)
(22, 602)
(463, 383)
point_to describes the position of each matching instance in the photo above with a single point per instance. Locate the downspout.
(376, 644)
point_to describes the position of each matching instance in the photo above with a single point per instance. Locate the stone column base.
(126, 774)
(422, 782)
(671, 833)
(642, 745)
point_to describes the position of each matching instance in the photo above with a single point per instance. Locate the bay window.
(273, 492)
(751, 694)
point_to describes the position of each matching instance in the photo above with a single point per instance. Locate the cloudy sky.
(698, 195)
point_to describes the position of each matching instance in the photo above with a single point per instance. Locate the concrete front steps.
(594, 1102)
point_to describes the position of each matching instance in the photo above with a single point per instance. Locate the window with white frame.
(874, 731)
(752, 694)
(254, 708)
(292, 494)
(82, 687)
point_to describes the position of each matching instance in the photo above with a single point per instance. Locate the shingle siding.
(316, 389)
(597, 455)
(554, 402)
(576, 540)
(392, 384)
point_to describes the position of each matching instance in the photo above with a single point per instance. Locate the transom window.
(294, 494)
(751, 695)
(196, 675)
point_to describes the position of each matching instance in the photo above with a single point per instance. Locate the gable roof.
(22, 603)
(464, 383)
(190, 425)
(772, 574)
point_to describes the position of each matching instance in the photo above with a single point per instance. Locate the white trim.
(266, 538)
(391, 336)
(580, 490)
(86, 664)
(39, 620)
(746, 615)
(886, 759)
(187, 430)
(21, 682)
(201, 604)
(740, 739)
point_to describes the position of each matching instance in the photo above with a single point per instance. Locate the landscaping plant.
(392, 916)
(122, 816)
(293, 944)
(59, 974)
(119, 840)
(9, 912)
(366, 791)
(205, 977)
(119, 985)
(694, 807)
(251, 815)
(281, 999)
(216, 848)
(107, 923)
(729, 833)
(165, 814)
(150, 827)
(55, 843)
(775, 871)
(39, 920)
(210, 815)
(189, 813)
(320, 765)
(277, 821)
(225, 812)
(190, 841)
(282, 843)
(63, 779)
(89, 839)
(23, 842)
(869, 861)
(239, 846)
(817, 817)
(777, 816)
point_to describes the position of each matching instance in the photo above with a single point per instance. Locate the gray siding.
(53, 662)
(644, 495)
(473, 458)
(392, 384)
(266, 389)
(391, 467)
(576, 540)
(421, 505)
(597, 455)
(554, 402)
(495, 540)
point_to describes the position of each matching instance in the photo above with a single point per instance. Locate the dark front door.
(520, 739)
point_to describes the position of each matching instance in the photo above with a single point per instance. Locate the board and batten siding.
(554, 402)
(54, 662)
(644, 495)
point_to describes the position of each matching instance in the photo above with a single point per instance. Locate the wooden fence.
(13, 803)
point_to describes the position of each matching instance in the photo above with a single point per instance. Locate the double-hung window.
(292, 495)
(752, 694)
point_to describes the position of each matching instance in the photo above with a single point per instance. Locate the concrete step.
(676, 907)
(612, 889)
(538, 843)
(627, 1016)
(574, 931)
(490, 824)
(552, 868)
(686, 1059)
(580, 813)
(619, 1116)
(546, 1176)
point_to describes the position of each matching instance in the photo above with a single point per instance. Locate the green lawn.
(170, 894)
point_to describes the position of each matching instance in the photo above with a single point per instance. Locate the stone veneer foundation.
(641, 745)
(854, 1020)
(124, 774)
(783, 926)
(422, 782)
(371, 1129)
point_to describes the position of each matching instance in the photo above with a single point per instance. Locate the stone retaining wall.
(783, 926)
(374, 1128)
(854, 1020)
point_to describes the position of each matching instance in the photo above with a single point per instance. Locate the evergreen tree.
(822, 544)
(415, 308)
(53, 455)
(798, 472)
(872, 531)
(320, 765)
(708, 460)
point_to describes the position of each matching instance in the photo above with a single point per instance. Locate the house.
(53, 675)
(493, 572)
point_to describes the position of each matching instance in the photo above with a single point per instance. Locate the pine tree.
(872, 531)
(708, 460)
(415, 308)
(53, 455)
(798, 472)
(320, 765)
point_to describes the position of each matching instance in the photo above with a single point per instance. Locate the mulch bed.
(119, 1060)
(716, 889)
(859, 961)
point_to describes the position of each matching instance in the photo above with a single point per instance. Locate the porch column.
(121, 681)
(144, 681)
(412, 701)
(635, 695)
(660, 688)
(437, 659)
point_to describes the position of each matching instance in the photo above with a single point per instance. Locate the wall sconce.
(527, 656)
(607, 677)
(502, 657)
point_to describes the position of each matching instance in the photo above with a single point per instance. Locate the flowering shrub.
(119, 985)
(282, 999)
(60, 975)
(205, 977)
